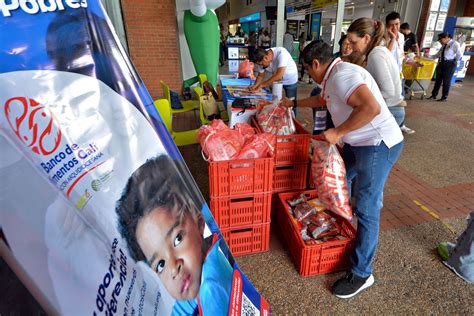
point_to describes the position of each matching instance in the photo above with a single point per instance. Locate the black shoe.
(431, 98)
(442, 100)
(350, 285)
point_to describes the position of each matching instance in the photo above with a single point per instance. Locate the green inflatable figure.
(201, 30)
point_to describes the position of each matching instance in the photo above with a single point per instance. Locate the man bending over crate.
(373, 143)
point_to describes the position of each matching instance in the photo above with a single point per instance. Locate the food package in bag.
(276, 119)
(260, 146)
(219, 142)
(329, 177)
(246, 130)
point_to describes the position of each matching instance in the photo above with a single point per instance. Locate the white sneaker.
(407, 130)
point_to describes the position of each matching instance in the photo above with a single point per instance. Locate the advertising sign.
(318, 4)
(97, 205)
(315, 25)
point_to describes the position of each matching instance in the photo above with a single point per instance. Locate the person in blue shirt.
(164, 228)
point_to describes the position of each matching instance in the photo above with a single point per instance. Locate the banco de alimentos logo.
(34, 124)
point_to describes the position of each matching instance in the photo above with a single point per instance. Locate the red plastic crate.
(290, 149)
(312, 259)
(248, 240)
(291, 177)
(310, 176)
(230, 212)
(237, 177)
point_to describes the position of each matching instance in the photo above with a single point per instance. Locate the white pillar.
(280, 23)
(339, 18)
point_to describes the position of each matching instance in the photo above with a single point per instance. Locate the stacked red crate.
(291, 159)
(241, 192)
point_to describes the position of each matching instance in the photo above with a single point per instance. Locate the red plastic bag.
(219, 142)
(329, 177)
(246, 130)
(246, 69)
(260, 146)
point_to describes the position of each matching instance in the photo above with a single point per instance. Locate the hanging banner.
(318, 4)
(96, 203)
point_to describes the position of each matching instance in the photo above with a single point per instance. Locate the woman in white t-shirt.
(368, 37)
(373, 143)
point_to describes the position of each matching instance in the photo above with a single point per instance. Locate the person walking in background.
(279, 63)
(411, 43)
(264, 40)
(395, 44)
(367, 37)
(396, 40)
(288, 42)
(222, 46)
(301, 42)
(372, 144)
(449, 56)
(308, 40)
(252, 44)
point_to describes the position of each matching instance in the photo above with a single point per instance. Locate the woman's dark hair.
(157, 183)
(317, 50)
(341, 40)
(374, 28)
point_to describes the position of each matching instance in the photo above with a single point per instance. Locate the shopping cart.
(418, 73)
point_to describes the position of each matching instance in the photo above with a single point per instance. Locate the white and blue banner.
(96, 203)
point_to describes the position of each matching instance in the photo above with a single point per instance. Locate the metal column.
(339, 18)
(280, 23)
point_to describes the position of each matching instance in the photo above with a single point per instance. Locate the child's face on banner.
(173, 249)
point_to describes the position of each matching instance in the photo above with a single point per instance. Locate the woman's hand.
(287, 102)
(331, 136)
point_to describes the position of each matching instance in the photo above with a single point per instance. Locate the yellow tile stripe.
(435, 215)
(465, 114)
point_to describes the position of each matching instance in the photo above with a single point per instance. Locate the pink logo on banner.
(34, 124)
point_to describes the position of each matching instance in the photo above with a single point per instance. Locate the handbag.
(175, 101)
(209, 106)
(208, 88)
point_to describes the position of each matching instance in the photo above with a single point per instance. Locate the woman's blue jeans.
(398, 113)
(369, 166)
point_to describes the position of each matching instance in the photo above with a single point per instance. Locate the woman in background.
(368, 40)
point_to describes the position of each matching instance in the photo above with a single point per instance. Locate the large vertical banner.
(96, 203)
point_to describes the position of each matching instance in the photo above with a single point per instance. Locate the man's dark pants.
(444, 73)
